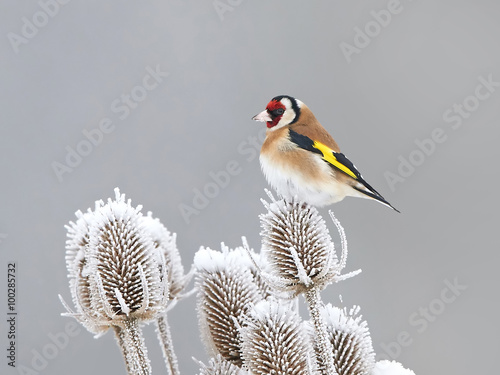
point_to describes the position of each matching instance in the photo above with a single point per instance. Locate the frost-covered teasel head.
(350, 338)
(113, 266)
(274, 341)
(226, 290)
(298, 247)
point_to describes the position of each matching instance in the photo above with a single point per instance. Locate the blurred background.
(156, 98)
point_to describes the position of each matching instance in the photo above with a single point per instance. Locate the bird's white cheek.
(285, 120)
(287, 117)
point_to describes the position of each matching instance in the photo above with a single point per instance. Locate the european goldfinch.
(300, 159)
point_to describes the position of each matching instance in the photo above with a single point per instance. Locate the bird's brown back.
(308, 125)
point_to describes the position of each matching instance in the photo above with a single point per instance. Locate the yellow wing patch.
(330, 158)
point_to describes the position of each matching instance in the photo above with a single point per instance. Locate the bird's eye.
(278, 112)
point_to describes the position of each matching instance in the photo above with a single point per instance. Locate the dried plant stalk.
(165, 338)
(131, 342)
(323, 344)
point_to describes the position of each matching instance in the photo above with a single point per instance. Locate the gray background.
(221, 72)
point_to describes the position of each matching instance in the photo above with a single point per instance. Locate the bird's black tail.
(372, 193)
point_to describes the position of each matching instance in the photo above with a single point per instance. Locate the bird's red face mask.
(272, 115)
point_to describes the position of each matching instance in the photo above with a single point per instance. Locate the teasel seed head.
(226, 290)
(113, 267)
(274, 341)
(351, 342)
(298, 247)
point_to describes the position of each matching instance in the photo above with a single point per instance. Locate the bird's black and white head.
(281, 111)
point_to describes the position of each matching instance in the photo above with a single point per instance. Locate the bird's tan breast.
(281, 153)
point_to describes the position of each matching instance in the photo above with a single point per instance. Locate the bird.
(301, 160)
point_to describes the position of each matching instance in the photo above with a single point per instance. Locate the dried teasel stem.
(131, 342)
(163, 332)
(120, 339)
(325, 350)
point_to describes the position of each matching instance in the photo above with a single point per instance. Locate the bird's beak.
(262, 117)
